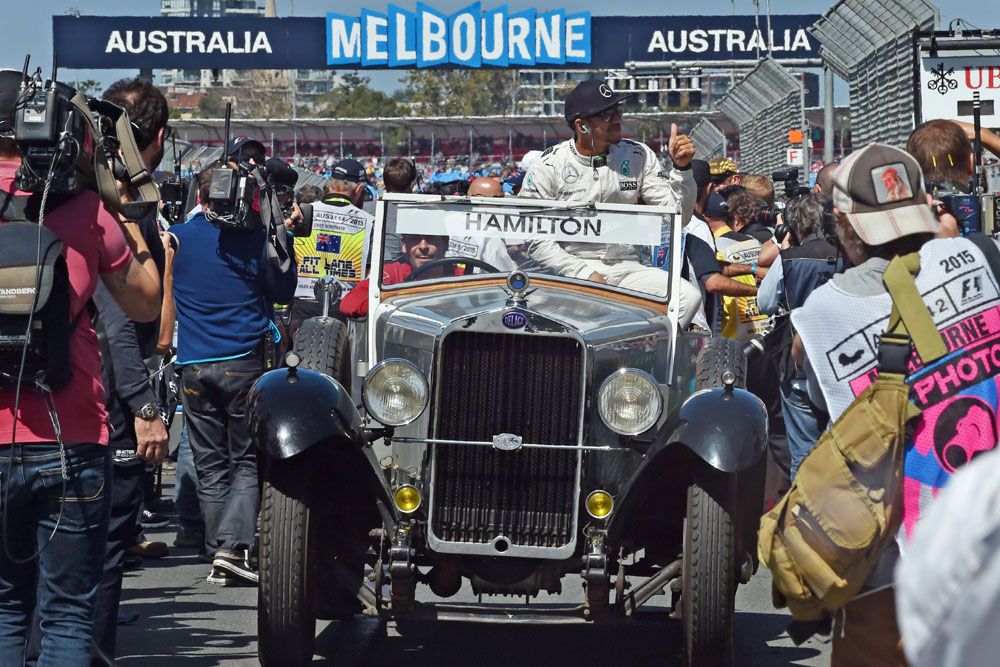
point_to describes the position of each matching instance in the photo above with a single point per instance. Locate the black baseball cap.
(239, 143)
(350, 170)
(591, 97)
(716, 208)
(701, 172)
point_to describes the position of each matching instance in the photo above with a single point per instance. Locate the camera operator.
(337, 218)
(808, 259)
(55, 534)
(224, 288)
(133, 414)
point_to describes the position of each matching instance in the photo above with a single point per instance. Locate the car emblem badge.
(507, 442)
(514, 320)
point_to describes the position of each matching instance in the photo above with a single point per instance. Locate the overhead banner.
(948, 85)
(398, 38)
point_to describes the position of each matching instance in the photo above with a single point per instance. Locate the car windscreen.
(625, 247)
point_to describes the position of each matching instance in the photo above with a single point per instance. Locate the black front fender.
(727, 429)
(289, 411)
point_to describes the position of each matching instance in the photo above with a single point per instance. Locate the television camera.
(69, 141)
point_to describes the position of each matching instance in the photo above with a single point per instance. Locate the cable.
(50, 404)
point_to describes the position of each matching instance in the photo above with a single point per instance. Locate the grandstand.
(433, 143)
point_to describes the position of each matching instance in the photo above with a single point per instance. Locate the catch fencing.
(709, 140)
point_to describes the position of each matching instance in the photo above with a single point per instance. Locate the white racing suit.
(631, 175)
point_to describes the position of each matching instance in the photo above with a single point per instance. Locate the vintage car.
(504, 421)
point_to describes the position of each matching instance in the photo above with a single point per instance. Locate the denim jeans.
(69, 567)
(802, 421)
(215, 398)
(186, 481)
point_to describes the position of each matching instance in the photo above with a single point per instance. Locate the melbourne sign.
(472, 37)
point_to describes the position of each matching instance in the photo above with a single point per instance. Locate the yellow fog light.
(600, 504)
(407, 499)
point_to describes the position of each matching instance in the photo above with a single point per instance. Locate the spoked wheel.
(286, 617)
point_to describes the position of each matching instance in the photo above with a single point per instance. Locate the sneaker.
(220, 578)
(190, 538)
(150, 520)
(147, 549)
(234, 563)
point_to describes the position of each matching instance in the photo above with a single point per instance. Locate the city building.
(234, 83)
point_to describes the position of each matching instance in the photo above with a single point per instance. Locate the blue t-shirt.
(224, 288)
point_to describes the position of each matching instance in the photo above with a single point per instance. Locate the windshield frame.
(379, 234)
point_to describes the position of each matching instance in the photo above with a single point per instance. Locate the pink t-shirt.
(93, 243)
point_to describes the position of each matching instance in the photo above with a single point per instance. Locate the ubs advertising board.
(950, 78)
(473, 37)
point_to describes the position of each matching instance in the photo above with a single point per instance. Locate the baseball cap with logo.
(244, 144)
(591, 97)
(881, 191)
(350, 170)
(721, 168)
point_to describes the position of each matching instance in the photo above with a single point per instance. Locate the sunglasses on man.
(610, 113)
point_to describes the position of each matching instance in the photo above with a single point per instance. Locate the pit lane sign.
(473, 37)
(947, 85)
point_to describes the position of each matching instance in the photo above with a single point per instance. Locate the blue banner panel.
(472, 37)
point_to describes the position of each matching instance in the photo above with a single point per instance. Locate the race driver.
(597, 165)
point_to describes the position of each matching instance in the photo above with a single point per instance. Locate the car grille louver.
(504, 383)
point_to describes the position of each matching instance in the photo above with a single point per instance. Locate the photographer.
(841, 341)
(808, 260)
(943, 149)
(223, 289)
(60, 552)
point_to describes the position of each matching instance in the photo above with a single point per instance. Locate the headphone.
(584, 129)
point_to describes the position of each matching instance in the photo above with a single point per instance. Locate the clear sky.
(27, 24)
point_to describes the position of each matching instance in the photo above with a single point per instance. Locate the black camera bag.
(33, 287)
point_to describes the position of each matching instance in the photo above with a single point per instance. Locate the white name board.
(609, 227)
(794, 157)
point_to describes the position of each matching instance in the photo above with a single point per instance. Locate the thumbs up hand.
(680, 147)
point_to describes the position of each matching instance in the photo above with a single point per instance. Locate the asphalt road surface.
(185, 620)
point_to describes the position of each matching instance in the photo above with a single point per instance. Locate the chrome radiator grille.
(502, 383)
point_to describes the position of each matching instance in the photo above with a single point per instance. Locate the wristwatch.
(148, 412)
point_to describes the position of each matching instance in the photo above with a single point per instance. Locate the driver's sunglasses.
(610, 113)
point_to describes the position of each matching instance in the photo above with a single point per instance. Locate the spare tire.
(322, 345)
(718, 355)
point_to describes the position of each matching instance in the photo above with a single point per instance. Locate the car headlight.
(629, 401)
(395, 392)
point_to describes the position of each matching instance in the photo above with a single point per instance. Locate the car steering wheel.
(470, 263)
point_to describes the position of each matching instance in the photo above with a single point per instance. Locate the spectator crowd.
(788, 275)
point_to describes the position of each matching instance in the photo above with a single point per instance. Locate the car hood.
(546, 308)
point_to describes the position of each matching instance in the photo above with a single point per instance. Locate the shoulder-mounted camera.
(68, 142)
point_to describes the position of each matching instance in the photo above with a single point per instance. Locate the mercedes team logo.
(605, 91)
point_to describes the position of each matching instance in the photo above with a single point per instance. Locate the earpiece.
(584, 129)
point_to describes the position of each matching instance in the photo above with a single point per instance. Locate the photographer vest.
(805, 267)
(338, 245)
(959, 394)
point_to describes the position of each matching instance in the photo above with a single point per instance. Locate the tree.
(463, 92)
(355, 98)
(88, 87)
(211, 105)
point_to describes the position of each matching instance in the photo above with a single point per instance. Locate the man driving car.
(418, 251)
